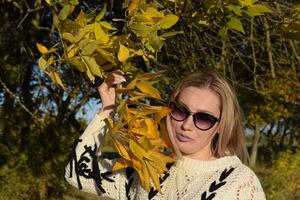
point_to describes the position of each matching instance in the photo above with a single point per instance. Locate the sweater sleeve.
(249, 187)
(87, 172)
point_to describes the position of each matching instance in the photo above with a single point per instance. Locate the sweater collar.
(199, 166)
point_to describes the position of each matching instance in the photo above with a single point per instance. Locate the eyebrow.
(180, 103)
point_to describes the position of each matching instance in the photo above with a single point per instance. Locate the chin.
(184, 148)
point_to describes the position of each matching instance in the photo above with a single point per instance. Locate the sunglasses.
(202, 120)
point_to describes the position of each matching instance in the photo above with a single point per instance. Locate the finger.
(115, 79)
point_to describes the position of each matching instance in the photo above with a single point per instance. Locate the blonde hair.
(230, 140)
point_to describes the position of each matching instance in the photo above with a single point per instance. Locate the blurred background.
(39, 121)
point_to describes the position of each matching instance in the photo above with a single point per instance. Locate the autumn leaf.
(133, 6)
(123, 54)
(148, 89)
(42, 48)
(122, 150)
(168, 21)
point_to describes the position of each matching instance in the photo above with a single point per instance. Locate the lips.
(183, 138)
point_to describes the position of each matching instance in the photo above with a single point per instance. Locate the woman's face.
(191, 141)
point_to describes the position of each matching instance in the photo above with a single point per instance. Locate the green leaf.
(74, 2)
(102, 13)
(90, 48)
(107, 56)
(141, 29)
(108, 26)
(65, 12)
(223, 33)
(170, 34)
(152, 12)
(77, 63)
(235, 24)
(236, 9)
(168, 21)
(155, 41)
(247, 3)
(257, 9)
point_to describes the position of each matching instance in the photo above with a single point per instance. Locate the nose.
(188, 123)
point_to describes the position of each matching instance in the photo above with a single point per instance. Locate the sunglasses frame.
(188, 113)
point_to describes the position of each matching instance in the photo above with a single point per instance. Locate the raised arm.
(85, 170)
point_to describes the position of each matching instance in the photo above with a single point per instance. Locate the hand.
(107, 90)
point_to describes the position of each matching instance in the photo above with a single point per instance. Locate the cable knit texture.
(223, 178)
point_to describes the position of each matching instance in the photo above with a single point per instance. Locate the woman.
(205, 128)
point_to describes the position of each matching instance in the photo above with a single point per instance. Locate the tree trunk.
(253, 155)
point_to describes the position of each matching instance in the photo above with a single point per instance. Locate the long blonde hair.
(230, 140)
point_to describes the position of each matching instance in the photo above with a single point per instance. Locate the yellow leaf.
(137, 150)
(146, 178)
(72, 51)
(131, 85)
(161, 158)
(153, 13)
(89, 74)
(48, 1)
(58, 80)
(93, 66)
(148, 89)
(136, 163)
(122, 150)
(123, 54)
(100, 34)
(77, 62)
(108, 26)
(90, 48)
(42, 48)
(81, 18)
(120, 164)
(145, 142)
(42, 63)
(152, 131)
(134, 4)
(164, 111)
(50, 60)
(154, 176)
(68, 36)
(168, 21)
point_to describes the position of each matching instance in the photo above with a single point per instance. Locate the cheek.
(176, 125)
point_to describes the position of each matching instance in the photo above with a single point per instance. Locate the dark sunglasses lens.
(204, 121)
(178, 113)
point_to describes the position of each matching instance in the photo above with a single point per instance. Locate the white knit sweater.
(223, 178)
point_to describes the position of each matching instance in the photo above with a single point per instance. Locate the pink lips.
(183, 138)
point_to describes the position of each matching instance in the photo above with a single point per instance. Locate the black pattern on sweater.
(129, 176)
(87, 166)
(214, 186)
(154, 191)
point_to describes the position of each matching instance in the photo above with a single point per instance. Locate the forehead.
(200, 99)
